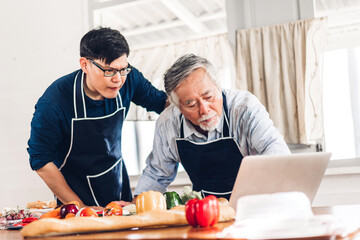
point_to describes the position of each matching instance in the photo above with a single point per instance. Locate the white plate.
(4, 224)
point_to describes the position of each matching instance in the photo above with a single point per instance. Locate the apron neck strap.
(119, 103)
(79, 98)
(225, 123)
(181, 126)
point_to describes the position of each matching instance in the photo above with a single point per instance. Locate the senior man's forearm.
(147, 183)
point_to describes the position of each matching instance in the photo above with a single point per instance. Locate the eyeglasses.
(111, 72)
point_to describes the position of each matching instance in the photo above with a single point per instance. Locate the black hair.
(105, 44)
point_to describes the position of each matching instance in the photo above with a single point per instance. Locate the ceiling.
(148, 23)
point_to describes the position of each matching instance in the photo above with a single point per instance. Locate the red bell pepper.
(29, 219)
(202, 213)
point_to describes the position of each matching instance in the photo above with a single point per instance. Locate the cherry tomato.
(87, 212)
(113, 209)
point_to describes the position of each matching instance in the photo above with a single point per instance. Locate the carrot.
(52, 214)
(69, 215)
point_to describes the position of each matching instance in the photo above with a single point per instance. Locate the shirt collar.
(189, 129)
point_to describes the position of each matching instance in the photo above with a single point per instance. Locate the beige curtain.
(153, 62)
(281, 65)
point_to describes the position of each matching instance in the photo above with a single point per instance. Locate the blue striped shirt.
(250, 126)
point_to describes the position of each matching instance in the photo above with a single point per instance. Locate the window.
(341, 102)
(341, 78)
(136, 147)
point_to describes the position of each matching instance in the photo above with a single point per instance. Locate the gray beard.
(210, 127)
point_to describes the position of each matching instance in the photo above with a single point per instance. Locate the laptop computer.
(260, 174)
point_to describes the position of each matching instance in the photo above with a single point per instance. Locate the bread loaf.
(51, 226)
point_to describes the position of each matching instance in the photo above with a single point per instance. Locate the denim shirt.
(250, 126)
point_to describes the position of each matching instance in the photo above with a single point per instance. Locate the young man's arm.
(146, 95)
(54, 179)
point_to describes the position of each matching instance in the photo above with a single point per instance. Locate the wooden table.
(346, 212)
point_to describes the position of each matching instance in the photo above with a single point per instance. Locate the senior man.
(206, 129)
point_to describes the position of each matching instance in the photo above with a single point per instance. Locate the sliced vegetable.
(202, 213)
(113, 209)
(172, 199)
(188, 194)
(151, 200)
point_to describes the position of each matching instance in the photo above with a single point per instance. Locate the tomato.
(87, 212)
(113, 209)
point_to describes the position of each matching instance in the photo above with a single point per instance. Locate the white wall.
(39, 42)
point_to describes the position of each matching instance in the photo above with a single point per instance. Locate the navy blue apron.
(94, 168)
(212, 166)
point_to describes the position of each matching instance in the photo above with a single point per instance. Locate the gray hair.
(181, 69)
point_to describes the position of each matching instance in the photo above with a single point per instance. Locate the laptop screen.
(261, 174)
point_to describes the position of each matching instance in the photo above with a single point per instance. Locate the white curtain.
(153, 62)
(282, 65)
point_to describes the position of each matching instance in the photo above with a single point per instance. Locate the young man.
(208, 130)
(75, 142)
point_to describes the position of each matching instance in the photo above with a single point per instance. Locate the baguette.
(52, 226)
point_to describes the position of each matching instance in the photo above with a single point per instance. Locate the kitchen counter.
(349, 213)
